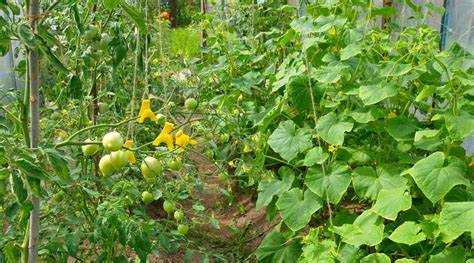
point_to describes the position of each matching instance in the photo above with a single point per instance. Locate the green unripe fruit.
(119, 158)
(190, 104)
(178, 215)
(112, 141)
(224, 138)
(169, 207)
(89, 149)
(147, 197)
(160, 119)
(151, 167)
(210, 154)
(58, 197)
(171, 105)
(183, 229)
(92, 33)
(105, 165)
(208, 136)
(150, 180)
(55, 116)
(176, 164)
(103, 107)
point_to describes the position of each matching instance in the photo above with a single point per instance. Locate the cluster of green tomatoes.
(150, 169)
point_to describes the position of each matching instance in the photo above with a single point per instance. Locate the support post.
(34, 130)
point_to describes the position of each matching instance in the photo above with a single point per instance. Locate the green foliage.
(185, 42)
(368, 120)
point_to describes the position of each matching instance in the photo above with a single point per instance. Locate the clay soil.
(242, 227)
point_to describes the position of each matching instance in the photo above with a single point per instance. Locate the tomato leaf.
(136, 16)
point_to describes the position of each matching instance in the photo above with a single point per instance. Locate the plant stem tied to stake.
(34, 130)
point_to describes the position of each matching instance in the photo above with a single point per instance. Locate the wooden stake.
(34, 131)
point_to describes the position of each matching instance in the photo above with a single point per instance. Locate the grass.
(185, 42)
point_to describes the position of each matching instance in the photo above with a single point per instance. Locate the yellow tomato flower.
(165, 136)
(331, 148)
(340, 93)
(131, 155)
(182, 140)
(145, 112)
(391, 115)
(231, 164)
(471, 164)
(155, 61)
(332, 31)
(65, 112)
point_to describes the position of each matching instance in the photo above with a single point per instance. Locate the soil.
(242, 227)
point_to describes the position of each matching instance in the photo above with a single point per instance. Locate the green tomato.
(151, 167)
(208, 136)
(100, 45)
(171, 105)
(224, 138)
(147, 197)
(210, 154)
(58, 197)
(176, 164)
(89, 149)
(105, 165)
(119, 159)
(168, 206)
(161, 119)
(188, 178)
(178, 215)
(103, 107)
(150, 180)
(190, 104)
(55, 116)
(112, 141)
(92, 33)
(183, 229)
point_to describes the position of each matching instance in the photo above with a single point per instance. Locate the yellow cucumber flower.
(131, 155)
(391, 115)
(145, 112)
(331, 148)
(182, 140)
(165, 136)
